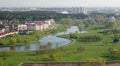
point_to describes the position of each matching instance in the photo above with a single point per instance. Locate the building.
(4, 33)
(22, 29)
(9, 27)
(76, 10)
(40, 25)
(37, 26)
(2, 28)
(34, 26)
(46, 25)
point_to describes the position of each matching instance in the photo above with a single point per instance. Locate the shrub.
(56, 56)
(95, 62)
(113, 31)
(115, 53)
(74, 35)
(115, 40)
(45, 57)
(90, 38)
(80, 48)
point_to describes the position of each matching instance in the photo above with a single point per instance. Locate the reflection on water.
(72, 29)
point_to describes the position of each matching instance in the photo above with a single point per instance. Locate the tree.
(110, 23)
(101, 62)
(16, 21)
(49, 45)
(27, 40)
(113, 51)
(115, 40)
(74, 35)
(100, 19)
(1, 41)
(66, 21)
(56, 56)
(13, 41)
(45, 57)
(42, 47)
(19, 40)
(81, 26)
(38, 34)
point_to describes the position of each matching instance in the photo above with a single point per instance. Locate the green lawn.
(93, 50)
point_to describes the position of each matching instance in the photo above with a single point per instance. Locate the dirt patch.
(113, 64)
(67, 64)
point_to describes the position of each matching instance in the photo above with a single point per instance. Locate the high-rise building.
(76, 10)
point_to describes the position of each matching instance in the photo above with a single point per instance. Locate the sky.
(59, 3)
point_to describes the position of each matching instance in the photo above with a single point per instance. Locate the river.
(56, 41)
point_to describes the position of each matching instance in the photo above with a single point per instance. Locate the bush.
(56, 56)
(115, 40)
(45, 57)
(115, 53)
(90, 38)
(80, 48)
(117, 35)
(95, 62)
(74, 35)
(113, 31)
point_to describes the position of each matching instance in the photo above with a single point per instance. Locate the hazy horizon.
(60, 3)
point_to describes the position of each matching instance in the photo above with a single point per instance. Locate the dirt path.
(113, 64)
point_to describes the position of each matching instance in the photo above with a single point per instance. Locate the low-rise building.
(32, 26)
(22, 29)
(2, 28)
(40, 25)
(45, 25)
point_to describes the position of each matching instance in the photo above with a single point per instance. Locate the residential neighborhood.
(8, 29)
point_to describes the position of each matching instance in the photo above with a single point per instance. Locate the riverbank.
(28, 56)
(25, 39)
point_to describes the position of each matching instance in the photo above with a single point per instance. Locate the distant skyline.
(59, 3)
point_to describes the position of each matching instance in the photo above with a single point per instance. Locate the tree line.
(37, 15)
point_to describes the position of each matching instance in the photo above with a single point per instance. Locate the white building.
(31, 26)
(22, 27)
(40, 25)
(45, 25)
(2, 30)
(34, 26)
(50, 22)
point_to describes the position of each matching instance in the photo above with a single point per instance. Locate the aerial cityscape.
(60, 33)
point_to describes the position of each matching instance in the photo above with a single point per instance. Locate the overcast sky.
(59, 3)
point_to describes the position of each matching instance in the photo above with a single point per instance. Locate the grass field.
(92, 50)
